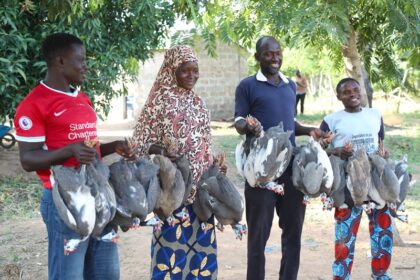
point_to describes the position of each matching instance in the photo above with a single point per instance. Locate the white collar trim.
(73, 94)
(260, 77)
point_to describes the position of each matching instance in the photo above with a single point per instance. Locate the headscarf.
(176, 114)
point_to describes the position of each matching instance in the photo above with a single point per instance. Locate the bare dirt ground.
(23, 243)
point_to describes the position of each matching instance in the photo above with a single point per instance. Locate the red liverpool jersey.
(56, 118)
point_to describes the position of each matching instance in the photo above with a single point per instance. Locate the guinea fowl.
(97, 175)
(172, 189)
(74, 202)
(358, 179)
(202, 207)
(401, 171)
(385, 180)
(339, 183)
(218, 195)
(307, 174)
(132, 205)
(264, 159)
(312, 172)
(183, 165)
(146, 173)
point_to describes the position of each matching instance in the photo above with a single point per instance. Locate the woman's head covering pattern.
(177, 115)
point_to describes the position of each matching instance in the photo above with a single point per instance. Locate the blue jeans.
(93, 259)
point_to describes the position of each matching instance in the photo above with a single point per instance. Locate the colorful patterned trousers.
(346, 227)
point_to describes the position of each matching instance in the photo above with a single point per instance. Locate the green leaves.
(117, 35)
(386, 29)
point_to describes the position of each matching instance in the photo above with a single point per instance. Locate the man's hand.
(317, 133)
(254, 126)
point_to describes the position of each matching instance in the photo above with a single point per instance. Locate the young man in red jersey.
(52, 122)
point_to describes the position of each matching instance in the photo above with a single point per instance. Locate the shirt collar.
(260, 77)
(73, 93)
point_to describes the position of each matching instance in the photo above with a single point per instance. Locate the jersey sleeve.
(29, 122)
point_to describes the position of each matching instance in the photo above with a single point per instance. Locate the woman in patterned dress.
(173, 111)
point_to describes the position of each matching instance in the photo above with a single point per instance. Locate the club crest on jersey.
(25, 123)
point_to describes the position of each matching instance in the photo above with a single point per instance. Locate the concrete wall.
(217, 83)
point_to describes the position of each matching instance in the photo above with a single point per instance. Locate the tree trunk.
(353, 64)
(368, 86)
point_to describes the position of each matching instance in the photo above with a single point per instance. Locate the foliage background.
(117, 35)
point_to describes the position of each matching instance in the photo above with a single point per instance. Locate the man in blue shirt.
(270, 97)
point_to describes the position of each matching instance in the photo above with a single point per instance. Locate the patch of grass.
(313, 119)
(19, 198)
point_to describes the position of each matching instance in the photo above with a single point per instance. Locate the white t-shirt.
(360, 128)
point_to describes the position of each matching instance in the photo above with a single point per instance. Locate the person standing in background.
(301, 87)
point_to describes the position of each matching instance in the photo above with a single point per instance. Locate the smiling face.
(270, 57)
(74, 64)
(349, 94)
(187, 75)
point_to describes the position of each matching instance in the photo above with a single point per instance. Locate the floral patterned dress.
(182, 251)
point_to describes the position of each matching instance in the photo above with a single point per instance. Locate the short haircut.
(58, 43)
(262, 40)
(343, 81)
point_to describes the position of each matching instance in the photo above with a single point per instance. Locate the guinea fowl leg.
(239, 230)
(306, 199)
(111, 236)
(154, 222)
(273, 186)
(183, 214)
(327, 201)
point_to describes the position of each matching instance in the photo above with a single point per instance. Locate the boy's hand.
(125, 149)
(343, 152)
(82, 153)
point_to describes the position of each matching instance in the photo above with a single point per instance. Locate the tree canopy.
(117, 35)
(380, 35)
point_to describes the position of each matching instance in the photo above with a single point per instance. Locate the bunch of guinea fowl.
(313, 172)
(162, 186)
(144, 186)
(372, 181)
(84, 199)
(217, 195)
(262, 160)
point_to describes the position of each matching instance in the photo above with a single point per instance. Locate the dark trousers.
(300, 97)
(260, 205)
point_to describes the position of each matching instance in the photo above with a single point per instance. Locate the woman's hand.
(172, 155)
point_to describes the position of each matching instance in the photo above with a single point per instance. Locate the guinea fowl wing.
(172, 187)
(73, 199)
(201, 205)
(358, 179)
(147, 173)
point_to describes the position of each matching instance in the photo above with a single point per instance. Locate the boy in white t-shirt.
(363, 127)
